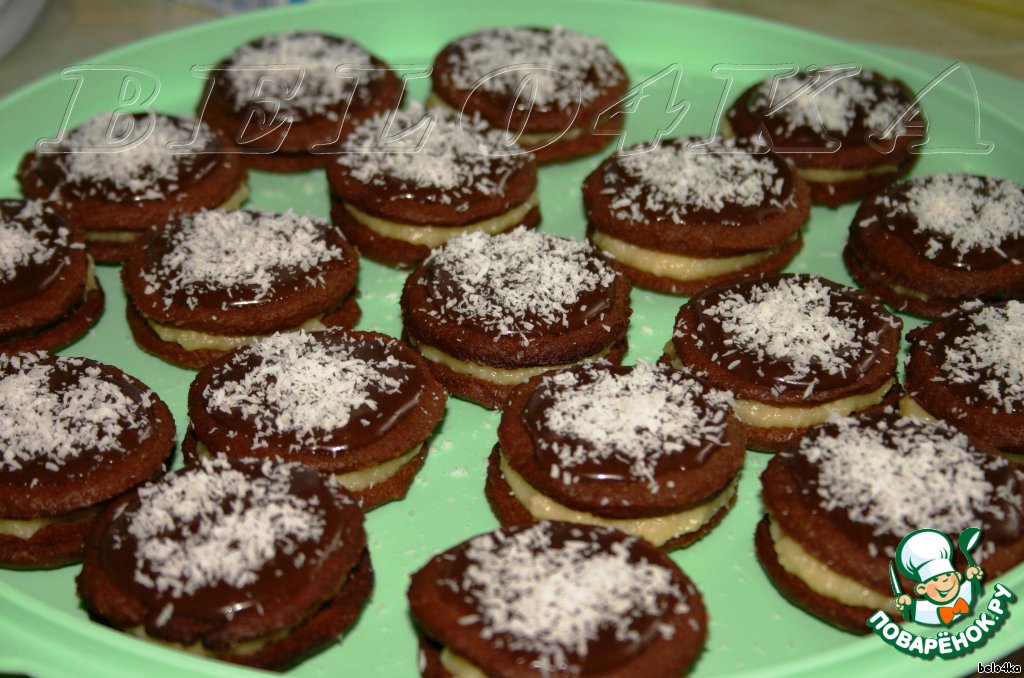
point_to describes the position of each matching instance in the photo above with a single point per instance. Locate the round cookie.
(116, 176)
(839, 504)
(287, 99)
(644, 449)
(848, 135)
(49, 294)
(397, 200)
(966, 370)
(795, 350)
(687, 215)
(216, 281)
(75, 434)
(358, 405)
(556, 90)
(927, 244)
(254, 563)
(490, 312)
(556, 599)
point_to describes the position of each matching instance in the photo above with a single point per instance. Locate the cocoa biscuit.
(574, 102)
(49, 295)
(218, 280)
(261, 562)
(358, 405)
(795, 350)
(561, 599)
(687, 214)
(965, 369)
(929, 243)
(287, 99)
(115, 183)
(397, 200)
(839, 503)
(612, 445)
(493, 311)
(76, 434)
(848, 135)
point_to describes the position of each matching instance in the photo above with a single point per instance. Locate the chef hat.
(925, 554)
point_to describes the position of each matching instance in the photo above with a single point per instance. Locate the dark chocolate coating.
(441, 611)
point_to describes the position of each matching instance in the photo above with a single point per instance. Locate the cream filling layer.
(526, 138)
(232, 203)
(677, 266)
(762, 415)
(658, 530)
(26, 529)
(495, 375)
(895, 287)
(458, 666)
(357, 480)
(911, 408)
(435, 236)
(822, 579)
(194, 340)
(820, 175)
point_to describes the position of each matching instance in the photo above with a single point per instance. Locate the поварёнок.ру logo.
(945, 596)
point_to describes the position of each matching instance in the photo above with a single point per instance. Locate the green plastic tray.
(753, 631)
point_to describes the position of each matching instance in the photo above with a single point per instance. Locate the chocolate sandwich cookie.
(840, 503)
(848, 135)
(559, 600)
(397, 200)
(927, 244)
(49, 294)
(116, 176)
(74, 434)
(795, 350)
(216, 281)
(644, 449)
(358, 405)
(287, 99)
(259, 563)
(490, 312)
(966, 369)
(556, 89)
(687, 215)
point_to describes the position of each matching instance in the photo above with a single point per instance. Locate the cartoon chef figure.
(926, 556)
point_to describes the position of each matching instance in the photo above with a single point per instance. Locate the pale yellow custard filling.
(895, 287)
(677, 266)
(354, 481)
(526, 138)
(495, 375)
(822, 579)
(195, 340)
(118, 237)
(911, 408)
(435, 236)
(658, 530)
(762, 415)
(822, 175)
(459, 666)
(26, 529)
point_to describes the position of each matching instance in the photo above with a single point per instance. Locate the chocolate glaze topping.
(615, 423)
(322, 392)
(522, 283)
(590, 599)
(729, 182)
(239, 259)
(137, 169)
(793, 333)
(35, 247)
(849, 110)
(224, 538)
(881, 476)
(64, 418)
(957, 220)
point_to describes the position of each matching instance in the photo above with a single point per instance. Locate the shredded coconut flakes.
(991, 355)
